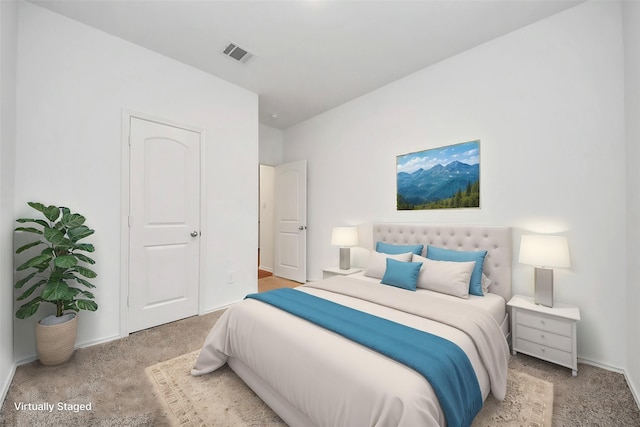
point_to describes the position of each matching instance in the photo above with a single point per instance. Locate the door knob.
(194, 234)
(302, 227)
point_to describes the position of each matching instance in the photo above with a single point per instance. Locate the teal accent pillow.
(441, 254)
(401, 274)
(387, 248)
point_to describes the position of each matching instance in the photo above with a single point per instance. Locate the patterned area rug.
(222, 399)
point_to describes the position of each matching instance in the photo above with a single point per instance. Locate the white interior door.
(291, 221)
(164, 223)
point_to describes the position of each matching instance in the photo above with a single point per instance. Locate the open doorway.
(282, 220)
(267, 232)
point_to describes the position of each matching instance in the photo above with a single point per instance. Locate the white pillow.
(378, 263)
(447, 277)
(486, 282)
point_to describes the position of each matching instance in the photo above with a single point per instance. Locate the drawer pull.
(542, 322)
(542, 336)
(542, 349)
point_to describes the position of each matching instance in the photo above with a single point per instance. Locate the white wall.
(631, 16)
(73, 84)
(547, 103)
(8, 59)
(271, 145)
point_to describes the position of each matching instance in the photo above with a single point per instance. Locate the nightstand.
(548, 333)
(336, 271)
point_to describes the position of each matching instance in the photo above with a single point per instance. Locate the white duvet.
(336, 382)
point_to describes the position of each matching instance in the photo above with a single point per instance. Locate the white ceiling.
(310, 55)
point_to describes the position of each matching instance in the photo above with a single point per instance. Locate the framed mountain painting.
(439, 178)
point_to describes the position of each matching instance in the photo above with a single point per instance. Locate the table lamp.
(345, 237)
(545, 253)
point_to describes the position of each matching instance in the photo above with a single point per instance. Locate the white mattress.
(494, 304)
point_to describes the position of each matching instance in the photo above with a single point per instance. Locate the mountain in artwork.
(439, 182)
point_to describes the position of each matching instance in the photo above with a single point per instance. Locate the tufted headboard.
(495, 240)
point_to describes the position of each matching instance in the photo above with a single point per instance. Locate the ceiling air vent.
(237, 53)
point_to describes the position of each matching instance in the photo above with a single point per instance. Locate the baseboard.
(5, 387)
(99, 341)
(262, 267)
(602, 365)
(218, 308)
(34, 357)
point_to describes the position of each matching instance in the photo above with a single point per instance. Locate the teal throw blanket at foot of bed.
(441, 362)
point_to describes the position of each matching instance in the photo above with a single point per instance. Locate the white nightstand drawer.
(543, 352)
(545, 338)
(545, 323)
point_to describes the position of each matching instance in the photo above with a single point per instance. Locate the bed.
(311, 376)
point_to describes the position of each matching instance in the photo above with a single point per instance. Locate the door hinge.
(129, 220)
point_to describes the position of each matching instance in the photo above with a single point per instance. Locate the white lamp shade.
(344, 236)
(544, 251)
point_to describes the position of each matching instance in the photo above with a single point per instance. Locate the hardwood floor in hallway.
(274, 282)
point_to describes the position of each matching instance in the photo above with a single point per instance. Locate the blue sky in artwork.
(467, 152)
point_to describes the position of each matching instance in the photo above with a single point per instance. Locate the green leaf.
(51, 212)
(65, 244)
(28, 309)
(87, 294)
(24, 280)
(87, 247)
(85, 258)
(37, 206)
(54, 236)
(72, 220)
(70, 305)
(37, 262)
(78, 233)
(47, 251)
(29, 291)
(74, 291)
(86, 272)
(84, 282)
(68, 275)
(85, 304)
(66, 261)
(28, 230)
(57, 274)
(54, 291)
(28, 245)
(37, 221)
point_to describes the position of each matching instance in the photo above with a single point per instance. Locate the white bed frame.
(497, 266)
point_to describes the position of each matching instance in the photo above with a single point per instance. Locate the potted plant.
(53, 275)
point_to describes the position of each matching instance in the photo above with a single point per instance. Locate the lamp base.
(345, 258)
(544, 286)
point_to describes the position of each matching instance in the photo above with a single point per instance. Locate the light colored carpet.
(221, 399)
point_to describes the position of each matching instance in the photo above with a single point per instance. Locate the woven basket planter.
(55, 343)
